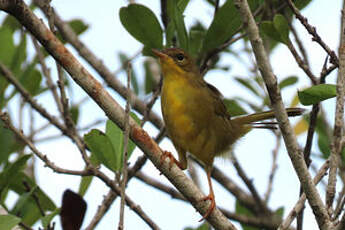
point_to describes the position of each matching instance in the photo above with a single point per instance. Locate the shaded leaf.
(234, 108)
(13, 170)
(224, 25)
(22, 201)
(142, 24)
(268, 29)
(240, 209)
(247, 83)
(116, 137)
(19, 56)
(102, 148)
(8, 143)
(46, 220)
(78, 26)
(7, 46)
(182, 4)
(317, 93)
(84, 184)
(74, 111)
(288, 81)
(8, 222)
(149, 80)
(281, 25)
(32, 82)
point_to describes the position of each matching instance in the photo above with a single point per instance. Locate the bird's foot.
(172, 159)
(210, 197)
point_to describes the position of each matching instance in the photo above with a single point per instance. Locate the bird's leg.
(209, 197)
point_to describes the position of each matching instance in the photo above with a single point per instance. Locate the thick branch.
(112, 109)
(280, 113)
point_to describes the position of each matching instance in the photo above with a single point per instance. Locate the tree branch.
(112, 109)
(294, 152)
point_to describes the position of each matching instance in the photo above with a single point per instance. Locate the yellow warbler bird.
(195, 116)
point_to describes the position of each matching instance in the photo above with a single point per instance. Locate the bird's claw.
(210, 197)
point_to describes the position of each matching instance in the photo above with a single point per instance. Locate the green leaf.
(196, 38)
(19, 56)
(234, 108)
(281, 25)
(84, 184)
(300, 4)
(7, 46)
(323, 143)
(22, 201)
(78, 26)
(74, 111)
(116, 137)
(8, 222)
(8, 142)
(182, 36)
(224, 25)
(13, 170)
(279, 212)
(32, 82)
(269, 30)
(11, 22)
(247, 83)
(317, 93)
(169, 34)
(182, 4)
(29, 212)
(16, 185)
(46, 220)
(240, 209)
(149, 80)
(142, 24)
(101, 146)
(277, 30)
(288, 81)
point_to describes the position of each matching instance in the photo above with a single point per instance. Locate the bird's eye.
(180, 57)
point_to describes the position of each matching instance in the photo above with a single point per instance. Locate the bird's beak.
(159, 54)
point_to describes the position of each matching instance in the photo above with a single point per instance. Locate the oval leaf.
(224, 25)
(8, 222)
(281, 25)
(142, 24)
(102, 148)
(317, 93)
(288, 81)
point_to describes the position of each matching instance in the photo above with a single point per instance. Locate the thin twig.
(46, 73)
(273, 168)
(5, 118)
(312, 31)
(301, 63)
(249, 183)
(125, 151)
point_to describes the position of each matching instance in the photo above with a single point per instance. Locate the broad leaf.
(142, 24)
(317, 93)
(101, 146)
(8, 222)
(224, 25)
